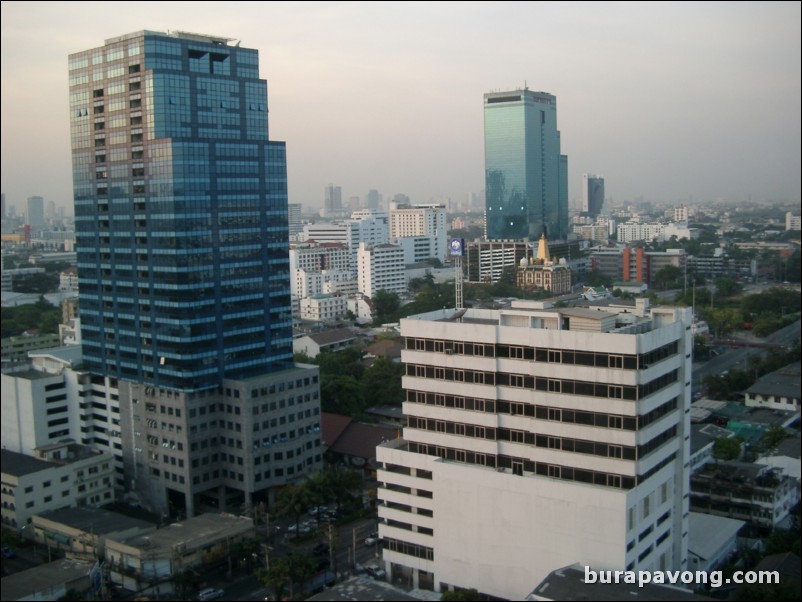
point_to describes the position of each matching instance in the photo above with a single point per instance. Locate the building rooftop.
(328, 337)
(389, 348)
(391, 413)
(739, 472)
(708, 533)
(705, 434)
(19, 465)
(191, 533)
(791, 447)
(70, 354)
(95, 520)
(43, 578)
(568, 583)
(359, 440)
(332, 426)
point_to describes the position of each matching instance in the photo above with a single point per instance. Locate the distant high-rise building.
(181, 235)
(681, 214)
(3, 207)
(526, 177)
(373, 199)
(36, 211)
(536, 438)
(294, 218)
(592, 194)
(332, 201)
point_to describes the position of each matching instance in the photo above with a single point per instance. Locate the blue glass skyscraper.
(526, 177)
(182, 241)
(181, 212)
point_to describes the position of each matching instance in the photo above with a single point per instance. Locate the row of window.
(410, 549)
(581, 446)
(519, 466)
(597, 419)
(541, 354)
(539, 383)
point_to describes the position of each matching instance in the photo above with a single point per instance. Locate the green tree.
(727, 448)
(596, 278)
(40, 315)
(276, 577)
(318, 490)
(722, 320)
(381, 383)
(343, 482)
(292, 501)
(341, 394)
(301, 569)
(669, 276)
(385, 306)
(727, 287)
(36, 283)
(772, 437)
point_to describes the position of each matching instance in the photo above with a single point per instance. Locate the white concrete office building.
(421, 221)
(537, 438)
(381, 267)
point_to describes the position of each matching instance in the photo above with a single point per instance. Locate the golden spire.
(543, 249)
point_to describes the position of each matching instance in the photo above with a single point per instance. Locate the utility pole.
(332, 555)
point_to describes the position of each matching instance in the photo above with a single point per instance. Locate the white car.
(210, 593)
(375, 571)
(317, 510)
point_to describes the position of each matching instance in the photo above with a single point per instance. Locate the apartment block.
(535, 438)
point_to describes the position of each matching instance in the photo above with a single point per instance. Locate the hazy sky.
(669, 101)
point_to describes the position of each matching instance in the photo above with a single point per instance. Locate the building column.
(415, 579)
(189, 505)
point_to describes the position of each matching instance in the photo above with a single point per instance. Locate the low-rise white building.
(324, 308)
(62, 475)
(138, 561)
(779, 390)
(712, 540)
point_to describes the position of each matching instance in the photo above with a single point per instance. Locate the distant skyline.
(676, 102)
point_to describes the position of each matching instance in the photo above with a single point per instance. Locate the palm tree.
(343, 481)
(318, 490)
(292, 501)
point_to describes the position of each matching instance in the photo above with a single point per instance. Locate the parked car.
(375, 571)
(9, 553)
(317, 510)
(210, 593)
(371, 541)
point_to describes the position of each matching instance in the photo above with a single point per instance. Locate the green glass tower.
(526, 177)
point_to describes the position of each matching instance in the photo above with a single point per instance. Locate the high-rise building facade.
(380, 267)
(535, 438)
(592, 194)
(36, 211)
(181, 232)
(526, 177)
(332, 201)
